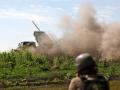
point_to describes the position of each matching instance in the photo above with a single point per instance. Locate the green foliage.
(15, 65)
(63, 62)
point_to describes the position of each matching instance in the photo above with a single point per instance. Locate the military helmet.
(84, 61)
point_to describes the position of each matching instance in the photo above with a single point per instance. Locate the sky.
(16, 17)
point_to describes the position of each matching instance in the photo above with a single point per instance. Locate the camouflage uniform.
(75, 83)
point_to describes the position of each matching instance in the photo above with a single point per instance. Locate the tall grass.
(25, 65)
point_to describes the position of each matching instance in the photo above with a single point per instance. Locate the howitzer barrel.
(36, 25)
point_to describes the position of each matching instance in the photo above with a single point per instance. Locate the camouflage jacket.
(75, 84)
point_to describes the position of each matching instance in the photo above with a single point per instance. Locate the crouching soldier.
(87, 75)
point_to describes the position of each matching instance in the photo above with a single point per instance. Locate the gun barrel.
(35, 25)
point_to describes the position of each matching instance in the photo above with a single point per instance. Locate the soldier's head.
(85, 64)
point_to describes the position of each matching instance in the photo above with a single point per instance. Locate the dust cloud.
(84, 33)
(110, 45)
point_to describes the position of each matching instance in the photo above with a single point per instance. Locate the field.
(27, 69)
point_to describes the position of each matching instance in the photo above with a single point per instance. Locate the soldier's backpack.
(98, 83)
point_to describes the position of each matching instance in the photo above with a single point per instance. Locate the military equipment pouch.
(97, 83)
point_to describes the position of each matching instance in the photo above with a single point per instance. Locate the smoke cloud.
(85, 34)
(110, 45)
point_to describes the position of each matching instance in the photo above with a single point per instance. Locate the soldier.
(87, 77)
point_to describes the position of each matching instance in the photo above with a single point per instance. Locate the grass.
(24, 68)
